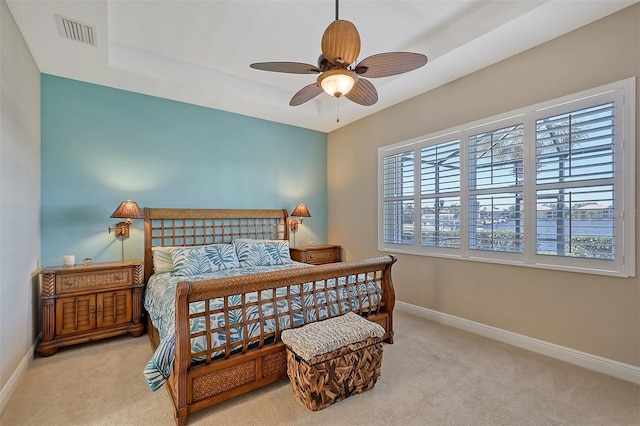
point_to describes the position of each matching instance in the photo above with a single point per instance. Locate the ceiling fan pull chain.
(337, 110)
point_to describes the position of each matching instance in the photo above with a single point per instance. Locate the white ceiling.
(199, 51)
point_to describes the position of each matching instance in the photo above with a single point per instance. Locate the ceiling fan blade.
(288, 67)
(306, 94)
(392, 63)
(341, 43)
(363, 93)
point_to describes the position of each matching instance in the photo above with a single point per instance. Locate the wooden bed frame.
(260, 360)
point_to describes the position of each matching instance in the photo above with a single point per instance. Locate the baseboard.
(9, 388)
(620, 370)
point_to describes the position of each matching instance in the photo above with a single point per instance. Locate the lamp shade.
(128, 210)
(337, 82)
(301, 211)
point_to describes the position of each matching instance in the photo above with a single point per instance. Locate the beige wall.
(594, 314)
(19, 202)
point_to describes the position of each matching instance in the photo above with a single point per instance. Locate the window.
(398, 192)
(575, 158)
(495, 189)
(549, 186)
(440, 195)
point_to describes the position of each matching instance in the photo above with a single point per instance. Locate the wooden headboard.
(194, 227)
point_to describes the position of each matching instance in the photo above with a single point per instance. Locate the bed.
(216, 329)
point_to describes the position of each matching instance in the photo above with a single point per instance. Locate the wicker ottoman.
(330, 360)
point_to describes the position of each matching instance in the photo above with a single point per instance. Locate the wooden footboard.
(261, 360)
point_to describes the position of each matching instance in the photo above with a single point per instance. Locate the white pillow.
(162, 259)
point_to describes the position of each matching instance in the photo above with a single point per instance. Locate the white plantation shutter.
(398, 175)
(398, 190)
(496, 158)
(577, 222)
(488, 213)
(546, 186)
(440, 168)
(575, 161)
(496, 162)
(440, 194)
(569, 145)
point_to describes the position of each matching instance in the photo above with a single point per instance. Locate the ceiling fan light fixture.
(337, 82)
(339, 74)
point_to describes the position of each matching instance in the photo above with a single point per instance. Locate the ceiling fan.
(339, 75)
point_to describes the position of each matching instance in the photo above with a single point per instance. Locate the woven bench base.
(336, 375)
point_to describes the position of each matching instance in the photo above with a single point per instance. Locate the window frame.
(622, 93)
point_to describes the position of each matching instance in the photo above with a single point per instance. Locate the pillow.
(262, 252)
(222, 256)
(203, 259)
(162, 259)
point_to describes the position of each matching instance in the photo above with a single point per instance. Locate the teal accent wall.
(101, 146)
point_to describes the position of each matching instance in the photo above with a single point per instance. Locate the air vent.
(77, 31)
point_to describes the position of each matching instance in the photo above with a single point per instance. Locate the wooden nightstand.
(83, 303)
(317, 255)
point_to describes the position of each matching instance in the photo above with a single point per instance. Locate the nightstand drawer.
(317, 255)
(66, 283)
(322, 256)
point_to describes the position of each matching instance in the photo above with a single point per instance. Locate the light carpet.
(432, 375)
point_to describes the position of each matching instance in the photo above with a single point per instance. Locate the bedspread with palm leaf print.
(160, 304)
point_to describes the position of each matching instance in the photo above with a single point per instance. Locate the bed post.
(148, 255)
(286, 235)
(183, 353)
(388, 295)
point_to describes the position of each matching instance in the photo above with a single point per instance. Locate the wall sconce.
(301, 211)
(128, 210)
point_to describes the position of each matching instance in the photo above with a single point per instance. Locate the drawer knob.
(70, 282)
(310, 256)
(120, 277)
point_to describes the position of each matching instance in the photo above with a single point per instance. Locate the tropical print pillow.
(203, 259)
(262, 252)
(222, 256)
